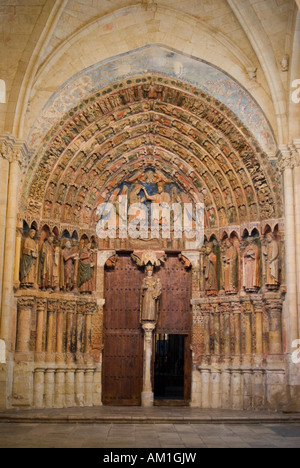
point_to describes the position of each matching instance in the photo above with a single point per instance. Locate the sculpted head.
(160, 187)
(149, 271)
(209, 248)
(32, 233)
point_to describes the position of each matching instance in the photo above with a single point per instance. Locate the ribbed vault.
(148, 122)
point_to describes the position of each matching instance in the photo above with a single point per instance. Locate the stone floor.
(179, 436)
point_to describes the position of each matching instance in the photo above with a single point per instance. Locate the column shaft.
(147, 395)
(297, 220)
(9, 252)
(291, 273)
(4, 172)
(24, 325)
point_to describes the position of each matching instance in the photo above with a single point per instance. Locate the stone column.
(50, 325)
(88, 328)
(274, 309)
(258, 309)
(216, 392)
(4, 171)
(49, 388)
(227, 351)
(18, 255)
(70, 388)
(88, 384)
(237, 333)
(248, 333)
(38, 388)
(59, 331)
(147, 394)
(285, 165)
(10, 244)
(226, 385)
(25, 307)
(206, 323)
(296, 154)
(41, 308)
(79, 387)
(206, 388)
(216, 327)
(71, 309)
(79, 332)
(59, 393)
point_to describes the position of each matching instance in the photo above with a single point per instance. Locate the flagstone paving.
(179, 436)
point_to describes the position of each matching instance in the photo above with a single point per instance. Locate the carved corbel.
(111, 261)
(145, 257)
(185, 261)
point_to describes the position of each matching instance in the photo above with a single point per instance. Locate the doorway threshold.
(165, 402)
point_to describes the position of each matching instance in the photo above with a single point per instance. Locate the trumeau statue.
(28, 261)
(150, 294)
(271, 262)
(251, 265)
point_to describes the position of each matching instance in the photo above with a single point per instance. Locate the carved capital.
(41, 305)
(91, 308)
(14, 150)
(296, 155)
(70, 307)
(53, 306)
(6, 146)
(285, 159)
(148, 328)
(26, 303)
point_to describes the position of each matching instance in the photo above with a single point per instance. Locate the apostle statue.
(150, 294)
(210, 271)
(28, 261)
(251, 264)
(86, 268)
(230, 261)
(271, 262)
(46, 264)
(68, 272)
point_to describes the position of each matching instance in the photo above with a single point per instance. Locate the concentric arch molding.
(156, 59)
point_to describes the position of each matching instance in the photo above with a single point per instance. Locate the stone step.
(137, 415)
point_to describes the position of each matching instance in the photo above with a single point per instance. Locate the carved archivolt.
(187, 137)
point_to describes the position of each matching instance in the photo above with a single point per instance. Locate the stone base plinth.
(147, 399)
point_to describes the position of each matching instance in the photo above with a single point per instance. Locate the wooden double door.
(122, 375)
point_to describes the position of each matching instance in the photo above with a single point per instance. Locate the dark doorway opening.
(169, 368)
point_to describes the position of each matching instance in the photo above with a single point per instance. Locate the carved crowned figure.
(150, 294)
(28, 261)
